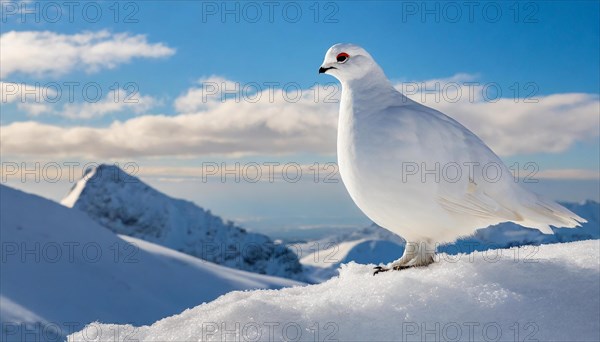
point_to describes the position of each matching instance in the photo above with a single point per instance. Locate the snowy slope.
(128, 206)
(553, 295)
(61, 270)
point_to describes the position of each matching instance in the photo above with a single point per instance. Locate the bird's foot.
(381, 269)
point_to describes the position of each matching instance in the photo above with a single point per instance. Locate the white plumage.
(419, 173)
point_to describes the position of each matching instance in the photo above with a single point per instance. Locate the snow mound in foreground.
(548, 293)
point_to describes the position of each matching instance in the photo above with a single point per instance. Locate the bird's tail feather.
(544, 213)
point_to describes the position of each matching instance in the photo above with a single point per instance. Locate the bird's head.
(348, 62)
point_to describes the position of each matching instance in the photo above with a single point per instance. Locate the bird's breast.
(364, 158)
(371, 152)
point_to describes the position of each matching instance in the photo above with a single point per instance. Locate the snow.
(61, 270)
(322, 258)
(548, 293)
(126, 205)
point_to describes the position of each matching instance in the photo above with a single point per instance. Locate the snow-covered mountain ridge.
(128, 206)
(61, 270)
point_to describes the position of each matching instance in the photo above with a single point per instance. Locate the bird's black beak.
(323, 70)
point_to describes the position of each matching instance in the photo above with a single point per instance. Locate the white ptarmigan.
(419, 173)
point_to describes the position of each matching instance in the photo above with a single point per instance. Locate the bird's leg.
(424, 255)
(415, 255)
(409, 253)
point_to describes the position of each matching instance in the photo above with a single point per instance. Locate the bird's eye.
(342, 57)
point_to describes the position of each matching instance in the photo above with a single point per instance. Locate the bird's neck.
(367, 95)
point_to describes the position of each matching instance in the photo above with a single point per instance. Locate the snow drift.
(128, 206)
(546, 293)
(61, 270)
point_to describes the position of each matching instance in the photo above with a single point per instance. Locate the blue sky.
(558, 49)
(171, 45)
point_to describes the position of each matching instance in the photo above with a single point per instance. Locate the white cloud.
(33, 108)
(28, 97)
(274, 126)
(209, 92)
(43, 52)
(34, 101)
(115, 101)
(230, 128)
(22, 92)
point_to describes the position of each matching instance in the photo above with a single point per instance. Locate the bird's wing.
(494, 200)
(477, 203)
(444, 140)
